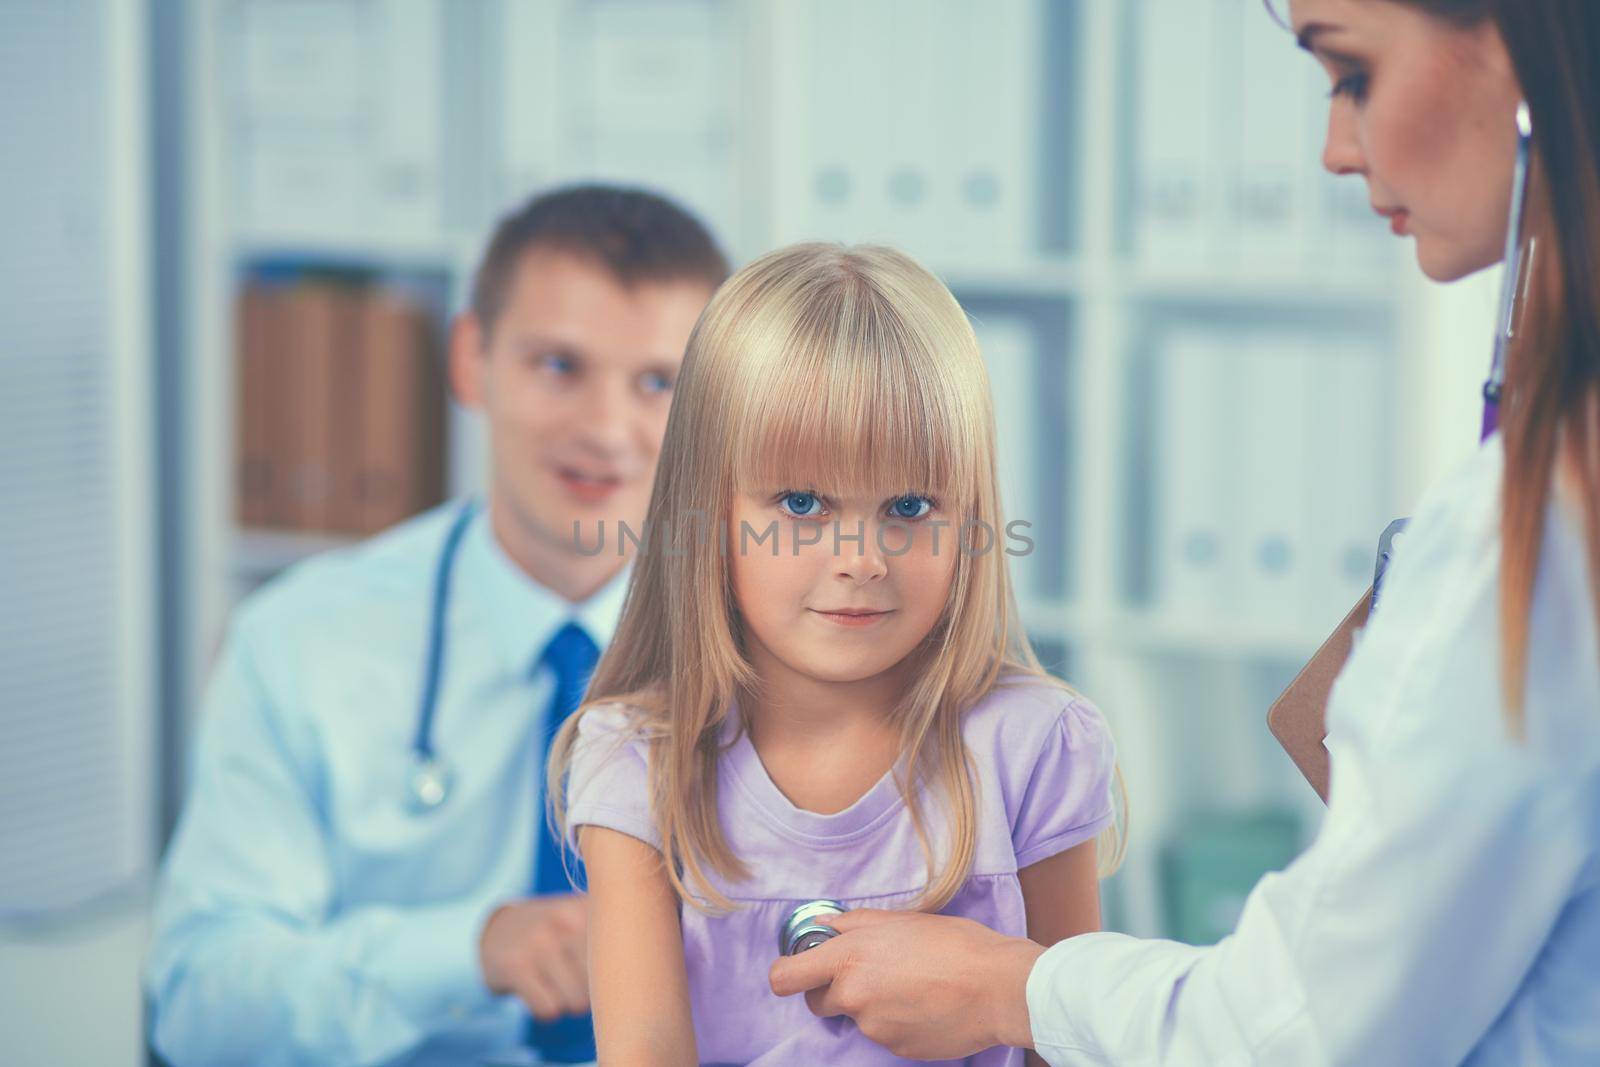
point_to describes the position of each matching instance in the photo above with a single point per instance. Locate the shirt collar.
(523, 615)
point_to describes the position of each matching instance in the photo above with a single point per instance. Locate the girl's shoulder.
(609, 716)
(611, 735)
(608, 781)
(1027, 713)
(1046, 764)
(620, 721)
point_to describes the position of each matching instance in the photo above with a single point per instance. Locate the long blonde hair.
(817, 364)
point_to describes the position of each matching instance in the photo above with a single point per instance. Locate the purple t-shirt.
(1043, 758)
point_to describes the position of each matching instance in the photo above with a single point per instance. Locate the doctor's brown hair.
(1550, 413)
(636, 236)
(1550, 423)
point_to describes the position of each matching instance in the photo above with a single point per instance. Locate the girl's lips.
(1397, 223)
(853, 619)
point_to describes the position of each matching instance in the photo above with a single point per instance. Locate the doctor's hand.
(922, 986)
(537, 949)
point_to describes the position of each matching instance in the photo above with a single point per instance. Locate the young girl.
(819, 687)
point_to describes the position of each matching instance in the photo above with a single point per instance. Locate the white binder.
(299, 95)
(338, 118)
(1269, 180)
(301, 63)
(1195, 557)
(658, 71)
(406, 168)
(1011, 352)
(655, 108)
(1277, 478)
(1349, 429)
(293, 183)
(922, 131)
(1175, 192)
(844, 172)
(991, 83)
(911, 73)
(531, 99)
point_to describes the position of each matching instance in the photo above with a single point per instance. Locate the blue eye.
(655, 382)
(910, 507)
(556, 363)
(800, 504)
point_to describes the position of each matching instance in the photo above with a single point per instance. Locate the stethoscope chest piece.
(428, 784)
(802, 931)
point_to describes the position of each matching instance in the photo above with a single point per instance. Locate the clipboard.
(1298, 718)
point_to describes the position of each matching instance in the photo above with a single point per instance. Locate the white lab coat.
(1449, 910)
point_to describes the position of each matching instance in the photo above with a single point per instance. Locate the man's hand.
(922, 986)
(538, 950)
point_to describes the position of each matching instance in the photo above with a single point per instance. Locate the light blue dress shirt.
(307, 914)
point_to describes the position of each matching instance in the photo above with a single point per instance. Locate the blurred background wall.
(1218, 376)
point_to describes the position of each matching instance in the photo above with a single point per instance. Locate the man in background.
(362, 874)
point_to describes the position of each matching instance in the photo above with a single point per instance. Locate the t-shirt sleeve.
(1066, 798)
(608, 784)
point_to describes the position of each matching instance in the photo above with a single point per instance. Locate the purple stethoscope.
(1518, 268)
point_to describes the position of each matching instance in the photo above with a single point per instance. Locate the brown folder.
(258, 346)
(401, 465)
(345, 433)
(318, 325)
(1298, 718)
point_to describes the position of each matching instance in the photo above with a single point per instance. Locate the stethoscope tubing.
(1511, 281)
(422, 752)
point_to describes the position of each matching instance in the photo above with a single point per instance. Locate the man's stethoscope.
(428, 781)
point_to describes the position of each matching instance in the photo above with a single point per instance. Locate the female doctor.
(1449, 910)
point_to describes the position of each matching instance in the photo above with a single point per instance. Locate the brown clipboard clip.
(1298, 718)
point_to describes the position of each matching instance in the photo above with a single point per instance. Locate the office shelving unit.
(741, 116)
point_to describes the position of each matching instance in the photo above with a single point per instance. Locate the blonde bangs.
(848, 397)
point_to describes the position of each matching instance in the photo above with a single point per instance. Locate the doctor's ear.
(468, 361)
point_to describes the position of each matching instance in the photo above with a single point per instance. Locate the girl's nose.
(860, 558)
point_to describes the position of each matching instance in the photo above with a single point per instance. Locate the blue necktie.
(571, 655)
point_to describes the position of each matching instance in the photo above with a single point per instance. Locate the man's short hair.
(635, 235)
